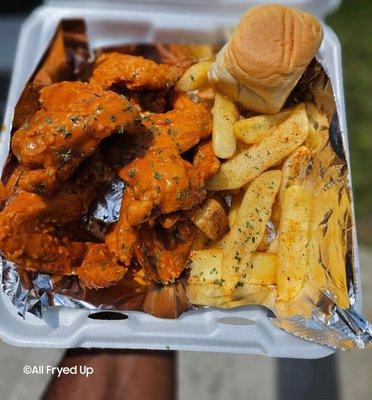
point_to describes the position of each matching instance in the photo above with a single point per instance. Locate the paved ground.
(207, 376)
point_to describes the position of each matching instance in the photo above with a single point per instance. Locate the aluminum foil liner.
(326, 322)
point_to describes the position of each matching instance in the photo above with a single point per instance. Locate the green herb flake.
(113, 118)
(131, 173)
(48, 120)
(64, 131)
(155, 129)
(65, 155)
(219, 282)
(157, 175)
(237, 257)
(248, 225)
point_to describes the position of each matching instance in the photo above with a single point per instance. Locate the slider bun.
(266, 56)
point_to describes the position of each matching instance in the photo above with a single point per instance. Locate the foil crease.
(327, 324)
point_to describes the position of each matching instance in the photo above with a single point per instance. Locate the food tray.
(241, 330)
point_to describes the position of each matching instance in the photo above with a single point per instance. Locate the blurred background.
(346, 375)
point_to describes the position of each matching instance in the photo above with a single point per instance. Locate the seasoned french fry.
(211, 219)
(252, 162)
(293, 173)
(261, 270)
(206, 268)
(235, 205)
(225, 114)
(248, 229)
(195, 77)
(293, 241)
(273, 246)
(254, 129)
(294, 169)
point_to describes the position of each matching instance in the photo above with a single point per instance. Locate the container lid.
(320, 8)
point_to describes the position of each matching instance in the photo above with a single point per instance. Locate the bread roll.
(266, 56)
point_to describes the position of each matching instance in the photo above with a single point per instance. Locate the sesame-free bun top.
(265, 57)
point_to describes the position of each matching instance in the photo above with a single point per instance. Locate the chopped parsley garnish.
(48, 120)
(112, 118)
(131, 173)
(157, 175)
(65, 155)
(248, 225)
(155, 129)
(64, 131)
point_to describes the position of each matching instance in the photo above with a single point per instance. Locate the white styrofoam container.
(242, 330)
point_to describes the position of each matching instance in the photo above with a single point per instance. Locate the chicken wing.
(73, 120)
(132, 72)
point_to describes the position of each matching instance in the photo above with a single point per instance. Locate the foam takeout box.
(240, 330)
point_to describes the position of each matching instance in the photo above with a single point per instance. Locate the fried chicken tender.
(98, 270)
(183, 127)
(73, 120)
(28, 239)
(30, 225)
(163, 253)
(205, 161)
(159, 182)
(133, 72)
